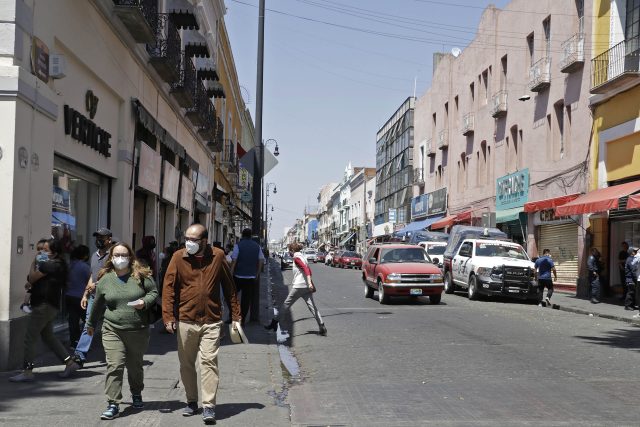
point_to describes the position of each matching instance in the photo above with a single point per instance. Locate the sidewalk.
(250, 391)
(610, 308)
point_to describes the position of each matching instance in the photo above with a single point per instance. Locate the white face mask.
(192, 247)
(120, 262)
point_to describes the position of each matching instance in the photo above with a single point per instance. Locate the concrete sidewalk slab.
(610, 308)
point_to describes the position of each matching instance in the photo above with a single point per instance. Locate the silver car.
(310, 255)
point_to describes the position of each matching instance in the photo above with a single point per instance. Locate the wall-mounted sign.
(548, 217)
(419, 206)
(429, 204)
(392, 215)
(512, 191)
(243, 181)
(91, 103)
(86, 131)
(40, 59)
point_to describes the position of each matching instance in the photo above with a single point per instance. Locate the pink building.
(506, 122)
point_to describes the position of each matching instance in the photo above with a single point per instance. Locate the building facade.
(108, 120)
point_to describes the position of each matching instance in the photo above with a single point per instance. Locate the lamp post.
(265, 212)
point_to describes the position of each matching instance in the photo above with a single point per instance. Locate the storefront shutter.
(562, 240)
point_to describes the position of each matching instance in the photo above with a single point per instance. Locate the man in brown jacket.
(191, 306)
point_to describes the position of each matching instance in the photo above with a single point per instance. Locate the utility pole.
(258, 168)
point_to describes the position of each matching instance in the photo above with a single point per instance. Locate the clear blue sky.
(334, 72)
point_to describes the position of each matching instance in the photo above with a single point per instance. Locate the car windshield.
(404, 255)
(351, 255)
(500, 250)
(436, 250)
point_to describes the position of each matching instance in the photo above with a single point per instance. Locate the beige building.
(107, 120)
(506, 122)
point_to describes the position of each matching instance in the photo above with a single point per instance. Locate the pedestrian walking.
(594, 265)
(147, 254)
(40, 255)
(544, 268)
(630, 280)
(192, 286)
(79, 275)
(622, 259)
(125, 293)
(246, 264)
(301, 287)
(48, 279)
(103, 243)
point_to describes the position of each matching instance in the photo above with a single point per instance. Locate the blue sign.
(512, 191)
(419, 206)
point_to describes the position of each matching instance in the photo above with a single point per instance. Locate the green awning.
(508, 215)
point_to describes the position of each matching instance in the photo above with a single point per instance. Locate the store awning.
(540, 205)
(447, 221)
(346, 239)
(419, 225)
(463, 216)
(507, 215)
(600, 200)
(634, 202)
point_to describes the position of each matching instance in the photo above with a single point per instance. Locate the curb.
(595, 314)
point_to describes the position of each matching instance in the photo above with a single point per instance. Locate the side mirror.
(372, 260)
(436, 261)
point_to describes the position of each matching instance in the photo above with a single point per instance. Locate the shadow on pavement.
(619, 338)
(228, 410)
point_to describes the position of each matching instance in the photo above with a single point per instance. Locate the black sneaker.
(190, 410)
(137, 402)
(209, 415)
(112, 412)
(323, 330)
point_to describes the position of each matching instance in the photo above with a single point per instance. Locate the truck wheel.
(382, 297)
(368, 291)
(435, 299)
(449, 286)
(472, 291)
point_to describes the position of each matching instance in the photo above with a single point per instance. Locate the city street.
(459, 363)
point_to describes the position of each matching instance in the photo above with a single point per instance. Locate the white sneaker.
(23, 377)
(69, 369)
(548, 301)
(540, 305)
(636, 316)
(26, 308)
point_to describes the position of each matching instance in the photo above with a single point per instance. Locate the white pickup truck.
(493, 267)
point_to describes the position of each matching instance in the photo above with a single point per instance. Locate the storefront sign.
(419, 206)
(243, 181)
(170, 183)
(437, 202)
(40, 59)
(85, 131)
(392, 215)
(548, 217)
(149, 168)
(512, 190)
(60, 200)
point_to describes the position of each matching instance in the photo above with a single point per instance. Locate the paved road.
(458, 363)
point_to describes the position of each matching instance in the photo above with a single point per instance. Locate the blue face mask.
(42, 256)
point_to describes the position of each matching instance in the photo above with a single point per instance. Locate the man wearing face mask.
(192, 285)
(103, 244)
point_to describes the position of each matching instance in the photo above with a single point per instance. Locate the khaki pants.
(41, 323)
(202, 340)
(124, 349)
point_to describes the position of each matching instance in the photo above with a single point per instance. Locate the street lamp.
(258, 186)
(268, 186)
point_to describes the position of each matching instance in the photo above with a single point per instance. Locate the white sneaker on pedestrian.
(636, 316)
(23, 377)
(69, 369)
(548, 301)
(540, 305)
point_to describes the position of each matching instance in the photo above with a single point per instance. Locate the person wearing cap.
(103, 244)
(630, 280)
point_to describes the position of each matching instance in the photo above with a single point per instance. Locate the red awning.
(540, 205)
(600, 200)
(634, 202)
(463, 216)
(447, 221)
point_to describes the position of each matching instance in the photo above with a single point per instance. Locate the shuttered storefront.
(562, 240)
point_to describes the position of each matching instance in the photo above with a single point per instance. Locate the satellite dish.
(456, 52)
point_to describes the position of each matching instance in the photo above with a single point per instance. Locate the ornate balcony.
(216, 144)
(430, 148)
(197, 113)
(184, 90)
(139, 17)
(572, 53)
(215, 89)
(183, 14)
(208, 115)
(443, 139)
(616, 67)
(499, 104)
(195, 44)
(164, 52)
(207, 69)
(468, 124)
(418, 176)
(540, 75)
(228, 157)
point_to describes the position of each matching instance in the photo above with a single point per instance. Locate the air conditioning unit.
(57, 66)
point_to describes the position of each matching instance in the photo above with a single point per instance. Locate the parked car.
(493, 267)
(428, 236)
(310, 254)
(349, 259)
(320, 256)
(286, 261)
(435, 250)
(401, 270)
(335, 257)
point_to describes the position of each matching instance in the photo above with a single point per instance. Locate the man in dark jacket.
(630, 280)
(595, 268)
(247, 260)
(192, 288)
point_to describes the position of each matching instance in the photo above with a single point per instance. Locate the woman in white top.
(301, 287)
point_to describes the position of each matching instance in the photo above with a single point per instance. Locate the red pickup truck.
(401, 270)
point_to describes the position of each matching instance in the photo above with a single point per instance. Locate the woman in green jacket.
(125, 293)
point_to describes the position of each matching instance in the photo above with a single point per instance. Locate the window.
(446, 115)
(503, 73)
(455, 102)
(485, 87)
(580, 13)
(472, 92)
(632, 26)
(433, 128)
(558, 135)
(546, 25)
(530, 50)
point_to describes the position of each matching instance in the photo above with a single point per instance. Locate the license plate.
(515, 291)
(353, 263)
(415, 292)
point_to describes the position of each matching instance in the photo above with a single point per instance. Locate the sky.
(334, 73)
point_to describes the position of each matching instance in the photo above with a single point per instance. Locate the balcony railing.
(468, 124)
(443, 139)
(139, 17)
(616, 66)
(540, 75)
(215, 89)
(164, 51)
(499, 104)
(198, 111)
(572, 53)
(431, 149)
(184, 90)
(216, 144)
(228, 153)
(208, 128)
(418, 176)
